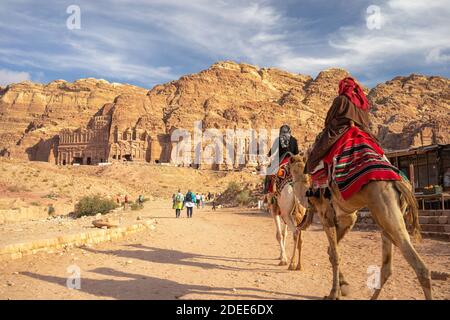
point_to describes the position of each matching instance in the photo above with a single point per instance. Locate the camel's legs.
(294, 251)
(386, 267)
(281, 235)
(299, 248)
(335, 292)
(330, 230)
(389, 215)
(284, 233)
(327, 218)
(344, 224)
(422, 272)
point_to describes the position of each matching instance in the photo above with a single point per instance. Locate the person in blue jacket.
(189, 202)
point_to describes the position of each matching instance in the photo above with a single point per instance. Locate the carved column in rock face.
(229, 149)
(253, 151)
(51, 156)
(116, 134)
(236, 153)
(147, 147)
(240, 151)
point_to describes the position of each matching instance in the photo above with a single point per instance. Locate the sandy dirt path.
(227, 254)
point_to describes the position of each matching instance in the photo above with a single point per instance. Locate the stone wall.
(19, 250)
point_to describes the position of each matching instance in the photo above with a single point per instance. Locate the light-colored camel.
(288, 212)
(387, 202)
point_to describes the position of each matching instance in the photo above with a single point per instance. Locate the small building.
(428, 168)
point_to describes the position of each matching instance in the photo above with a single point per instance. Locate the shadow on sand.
(180, 258)
(132, 286)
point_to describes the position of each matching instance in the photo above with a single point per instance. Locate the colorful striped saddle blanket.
(353, 161)
(284, 175)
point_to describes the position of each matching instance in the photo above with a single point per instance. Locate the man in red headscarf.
(348, 109)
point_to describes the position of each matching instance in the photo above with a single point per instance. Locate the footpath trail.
(226, 254)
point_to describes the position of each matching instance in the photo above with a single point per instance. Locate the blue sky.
(147, 42)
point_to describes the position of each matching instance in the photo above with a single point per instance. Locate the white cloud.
(135, 40)
(9, 76)
(436, 56)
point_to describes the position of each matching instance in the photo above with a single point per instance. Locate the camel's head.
(297, 164)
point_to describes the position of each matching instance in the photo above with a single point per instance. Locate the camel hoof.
(291, 267)
(299, 268)
(375, 295)
(283, 263)
(334, 295)
(330, 298)
(345, 289)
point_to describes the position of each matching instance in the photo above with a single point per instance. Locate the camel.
(288, 212)
(387, 202)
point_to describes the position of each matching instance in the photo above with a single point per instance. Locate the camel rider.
(348, 109)
(284, 144)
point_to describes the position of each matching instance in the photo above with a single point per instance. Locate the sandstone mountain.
(411, 111)
(406, 111)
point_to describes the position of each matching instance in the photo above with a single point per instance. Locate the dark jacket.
(292, 148)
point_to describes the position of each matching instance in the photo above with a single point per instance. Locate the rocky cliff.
(32, 114)
(406, 111)
(411, 111)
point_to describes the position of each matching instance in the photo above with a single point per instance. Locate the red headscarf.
(349, 88)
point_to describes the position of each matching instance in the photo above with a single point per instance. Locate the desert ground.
(230, 253)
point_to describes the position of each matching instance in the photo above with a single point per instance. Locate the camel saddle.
(353, 161)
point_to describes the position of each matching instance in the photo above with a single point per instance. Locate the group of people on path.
(124, 200)
(189, 200)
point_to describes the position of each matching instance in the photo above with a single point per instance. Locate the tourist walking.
(202, 199)
(189, 203)
(125, 203)
(198, 200)
(141, 199)
(178, 203)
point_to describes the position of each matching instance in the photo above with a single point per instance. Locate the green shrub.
(35, 203)
(51, 195)
(91, 205)
(233, 187)
(243, 197)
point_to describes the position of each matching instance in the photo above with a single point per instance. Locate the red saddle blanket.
(283, 176)
(354, 160)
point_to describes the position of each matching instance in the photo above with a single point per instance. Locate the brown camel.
(387, 202)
